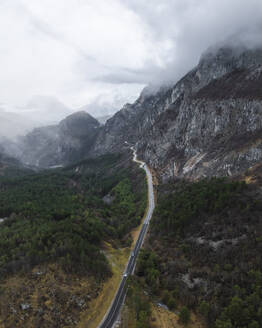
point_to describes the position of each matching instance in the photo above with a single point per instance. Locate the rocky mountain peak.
(216, 62)
(80, 115)
(235, 56)
(208, 123)
(60, 144)
(79, 124)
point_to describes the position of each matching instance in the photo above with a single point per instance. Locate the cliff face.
(209, 123)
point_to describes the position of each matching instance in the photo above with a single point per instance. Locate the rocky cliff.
(209, 123)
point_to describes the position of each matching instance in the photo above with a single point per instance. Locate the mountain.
(209, 123)
(203, 248)
(61, 144)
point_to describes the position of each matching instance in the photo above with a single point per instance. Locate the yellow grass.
(249, 179)
(162, 318)
(23, 287)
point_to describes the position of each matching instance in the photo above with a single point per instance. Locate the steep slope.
(60, 144)
(209, 123)
(212, 127)
(131, 122)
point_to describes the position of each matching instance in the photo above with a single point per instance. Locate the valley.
(75, 242)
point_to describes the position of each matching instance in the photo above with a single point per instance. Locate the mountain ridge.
(181, 131)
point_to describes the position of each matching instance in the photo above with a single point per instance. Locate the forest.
(60, 215)
(204, 252)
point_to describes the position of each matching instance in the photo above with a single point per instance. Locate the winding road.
(115, 307)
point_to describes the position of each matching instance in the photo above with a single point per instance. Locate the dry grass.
(253, 175)
(162, 318)
(50, 292)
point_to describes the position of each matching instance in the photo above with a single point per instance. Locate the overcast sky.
(105, 51)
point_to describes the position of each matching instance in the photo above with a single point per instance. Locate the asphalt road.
(113, 312)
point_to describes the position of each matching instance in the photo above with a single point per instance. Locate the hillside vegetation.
(204, 252)
(62, 217)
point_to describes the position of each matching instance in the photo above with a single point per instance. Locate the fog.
(13, 125)
(58, 56)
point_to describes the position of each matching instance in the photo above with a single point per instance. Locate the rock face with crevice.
(209, 123)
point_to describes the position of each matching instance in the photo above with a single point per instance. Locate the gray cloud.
(126, 75)
(85, 51)
(192, 26)
(50, 31)
(189, 28)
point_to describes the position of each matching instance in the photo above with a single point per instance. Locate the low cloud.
(81, 51)
(191, 26)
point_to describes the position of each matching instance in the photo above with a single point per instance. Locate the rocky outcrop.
(209, 123)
